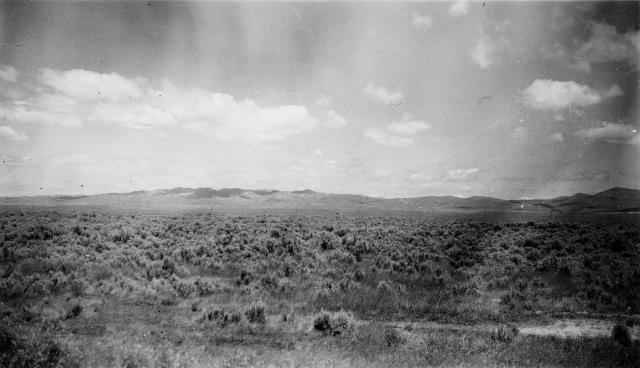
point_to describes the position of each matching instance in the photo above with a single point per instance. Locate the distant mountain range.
(614, 200)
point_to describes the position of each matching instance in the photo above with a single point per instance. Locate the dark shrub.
(74, 312)
(504, 333)
(336, 323)
(620, 334)
(256, 313)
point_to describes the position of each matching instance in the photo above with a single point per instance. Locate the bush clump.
(256, 313)
(336, 323)
(504, 333)
(620, 334)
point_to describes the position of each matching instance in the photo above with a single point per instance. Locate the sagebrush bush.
(255, 313)
(336, 323)
(504, 333)
(620, 334)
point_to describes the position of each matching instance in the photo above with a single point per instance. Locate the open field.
(170, 289)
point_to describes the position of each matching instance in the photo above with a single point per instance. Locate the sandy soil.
(564, 328)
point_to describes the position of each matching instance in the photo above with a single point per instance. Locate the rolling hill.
(614, 200)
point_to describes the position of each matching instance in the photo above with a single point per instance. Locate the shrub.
(504, 333)
(256, 313)
(336, 323)
(620, 334)
(74, 312)
(392, 337)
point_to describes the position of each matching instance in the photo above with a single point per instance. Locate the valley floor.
(206, 290)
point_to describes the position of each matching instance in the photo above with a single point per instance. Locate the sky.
(503, 99)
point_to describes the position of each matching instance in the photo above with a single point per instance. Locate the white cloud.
(381, 173)
(606, 44)
(318, 152)
(382, 95)
(73, 159)
(7, 132)
(614, 91)
(459, 8)
(8, 73)
(545, 94)
(611, 133)
(519, 133)
(382, 137)
(483, 53)
(398, 132)
(408, 128)
(420, 176)
(86, 85)
(335, 120)
(463, 174)
(421, 21)
(71, 98)
(556, 137)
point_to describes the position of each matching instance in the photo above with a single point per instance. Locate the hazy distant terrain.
(614, 200)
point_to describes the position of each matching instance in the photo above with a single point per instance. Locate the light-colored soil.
(564, 328)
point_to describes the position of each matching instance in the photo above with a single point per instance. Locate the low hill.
(614, 200)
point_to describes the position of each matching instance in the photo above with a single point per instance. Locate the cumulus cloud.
(420, 177)
(421, 21)
(556, 137)
(614, 91)
(382, 95)
(459, 8)
(408, 128)
(611, 133)
(545, 94)
(605, 44)
(7, 132)
(483, 53)
(383, 137)
(334, 120)
(519, 133)
(398, 132)
(8, 73)
(79, 97)
(73, 159)
(381, 173)
(463, 174)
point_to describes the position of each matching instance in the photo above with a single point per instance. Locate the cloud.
(408, 128)
(614, 91)
(335, 120)
(483, 53)
(8, 73)
(73, 159)
(556, 137)
(459, 8)
(79, 97)
(86, 85)
(611, 133)
(420, 177)
(605, 44)
(463, 174)
(7, 132)
(519, 133)
(382, 95)
(421, 21)
(382, 137)
(381, 173)
(398, 132)
(545, 94)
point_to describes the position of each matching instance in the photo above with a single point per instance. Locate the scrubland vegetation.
(199, 289)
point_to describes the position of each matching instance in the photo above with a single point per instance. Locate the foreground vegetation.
(199, 289)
